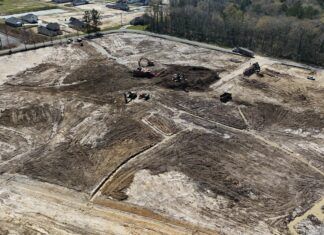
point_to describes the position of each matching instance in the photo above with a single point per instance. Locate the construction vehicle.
(144, 96)
(311, 78)
(243, 51)
(178, 77)
(179, 81)
(143, 73)
(145, 62)
(254, 68)
(226, 97)
(130, 96)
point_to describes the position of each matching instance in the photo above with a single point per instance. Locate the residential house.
(79, 2)
(61, 1)
(30, 18)
(14, 22)
(51, 29)
(77, 24)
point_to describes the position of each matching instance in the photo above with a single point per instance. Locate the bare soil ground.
(181, 162)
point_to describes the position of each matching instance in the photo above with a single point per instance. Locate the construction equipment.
(226, 97)
(254, 68)
(243, 51)
(143, 73)
(178, 77)
(144, 96)
(179, 81)
(145, 62)
(311, 78)
(130, 96)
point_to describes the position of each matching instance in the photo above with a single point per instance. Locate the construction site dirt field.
(76, 158)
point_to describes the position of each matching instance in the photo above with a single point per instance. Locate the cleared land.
(183, 158)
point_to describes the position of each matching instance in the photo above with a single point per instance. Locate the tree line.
(285, 28)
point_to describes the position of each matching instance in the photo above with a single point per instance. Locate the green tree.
(95, 19)
(87, 20)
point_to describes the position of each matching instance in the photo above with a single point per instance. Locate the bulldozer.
(254, 68)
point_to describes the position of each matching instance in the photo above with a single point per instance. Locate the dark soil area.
(81, 167)
(209, 108)
(269, 116)
(192, 78)
(30, 115)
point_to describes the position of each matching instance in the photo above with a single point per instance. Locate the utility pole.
(121, 19)
(6, 30)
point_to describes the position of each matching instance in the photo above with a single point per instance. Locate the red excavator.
(142, 71)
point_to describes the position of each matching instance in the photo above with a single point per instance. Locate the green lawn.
(111, 28)
(20, 6)
(138, 27)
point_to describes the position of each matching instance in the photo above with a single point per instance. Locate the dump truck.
(226, 97)
(243, 51)
(254, 68)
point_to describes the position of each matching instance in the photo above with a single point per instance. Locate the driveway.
(10, 40)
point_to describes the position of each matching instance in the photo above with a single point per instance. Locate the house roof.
(76, 22)
(14, 20)
(53, 26)
(29, 17)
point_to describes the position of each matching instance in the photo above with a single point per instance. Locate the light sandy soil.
(179, 163)
(32, 207)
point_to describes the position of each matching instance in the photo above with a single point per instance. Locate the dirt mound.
(42, 74)
(100, 76)
(188, 78)
(267, 115)
(256, 84)
(167, 126)
(30, 115)
(78, 165)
